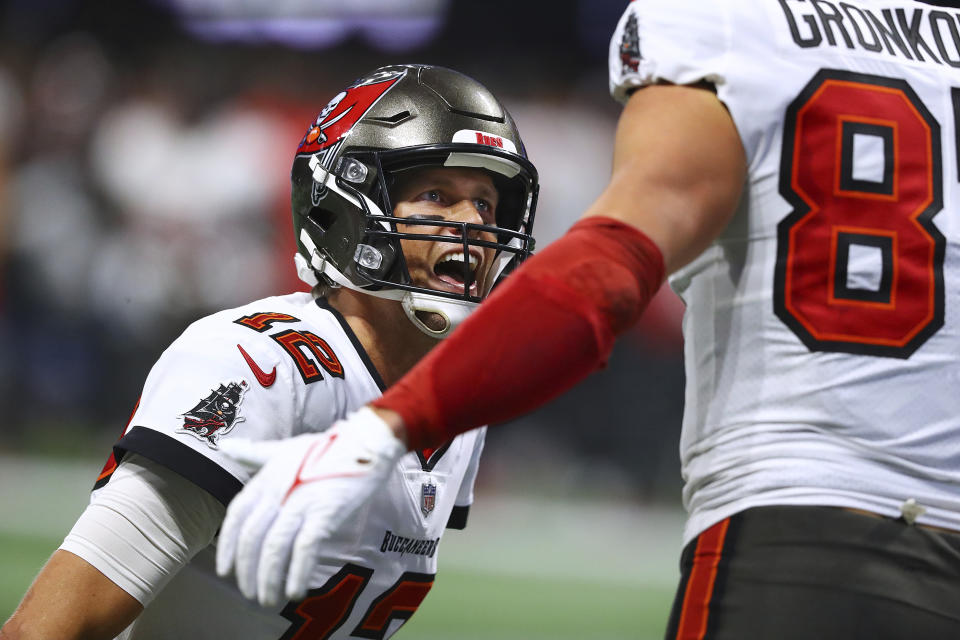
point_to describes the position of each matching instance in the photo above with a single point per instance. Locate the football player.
(412, 196)
(794, 166)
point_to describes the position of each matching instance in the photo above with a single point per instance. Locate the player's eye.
(485, 209)
(433, 195)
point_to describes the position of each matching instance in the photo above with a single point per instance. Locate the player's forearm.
(70, 600)
(551, 324)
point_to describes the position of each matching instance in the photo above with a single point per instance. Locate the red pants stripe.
(696, 599)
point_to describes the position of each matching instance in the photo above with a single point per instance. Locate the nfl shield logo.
(428, 497)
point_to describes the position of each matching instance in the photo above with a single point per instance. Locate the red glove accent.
(548, 326)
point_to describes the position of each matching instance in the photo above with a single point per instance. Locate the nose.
(464, 211)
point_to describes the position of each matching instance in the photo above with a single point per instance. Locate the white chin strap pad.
(453, 312)
(304, 271)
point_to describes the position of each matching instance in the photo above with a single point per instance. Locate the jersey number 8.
(859, 262)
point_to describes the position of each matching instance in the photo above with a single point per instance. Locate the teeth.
(459, 257)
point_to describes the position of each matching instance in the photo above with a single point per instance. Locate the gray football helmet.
(395, 119)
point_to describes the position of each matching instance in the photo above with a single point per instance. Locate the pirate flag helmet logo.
(216, 414)
(338, 117)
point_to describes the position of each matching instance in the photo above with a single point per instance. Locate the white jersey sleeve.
(250, 371)
(822, 326)
(653, 43)
(201, 390)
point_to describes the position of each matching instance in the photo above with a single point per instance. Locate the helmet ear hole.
(324, 218)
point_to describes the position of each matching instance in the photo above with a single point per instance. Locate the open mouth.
(458, 270)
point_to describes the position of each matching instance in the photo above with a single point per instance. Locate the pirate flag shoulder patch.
(630, 45)
(216, 414)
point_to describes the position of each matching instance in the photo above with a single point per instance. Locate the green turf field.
(471, 606)
(21, 558)
(524, 569)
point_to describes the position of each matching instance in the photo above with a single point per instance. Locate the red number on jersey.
(324, 609)
(261, 322)
(859, 262)
(310, 352)
(396, 603)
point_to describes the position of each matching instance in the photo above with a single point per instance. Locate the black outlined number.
(886, 216)
(261, 322)
(325, 609)
(310, 353)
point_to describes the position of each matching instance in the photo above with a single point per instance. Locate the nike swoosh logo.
(265, 379)
(309, 458)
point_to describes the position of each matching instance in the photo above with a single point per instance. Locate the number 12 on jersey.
(859, 261)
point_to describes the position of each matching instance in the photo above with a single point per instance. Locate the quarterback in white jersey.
(794, 165)
(402, 230)
(274, 369)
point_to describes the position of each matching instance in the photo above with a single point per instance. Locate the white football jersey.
(272, 369)
(822, 329)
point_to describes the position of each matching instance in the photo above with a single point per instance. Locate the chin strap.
(451, 312)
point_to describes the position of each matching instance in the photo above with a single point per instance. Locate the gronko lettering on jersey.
(911, 34)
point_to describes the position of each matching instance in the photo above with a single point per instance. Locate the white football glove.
(308, 486)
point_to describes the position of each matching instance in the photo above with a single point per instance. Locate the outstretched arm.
(678, 171)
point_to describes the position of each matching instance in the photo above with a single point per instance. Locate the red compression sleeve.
(548, 326)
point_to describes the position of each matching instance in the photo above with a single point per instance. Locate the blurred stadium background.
(144, 157)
